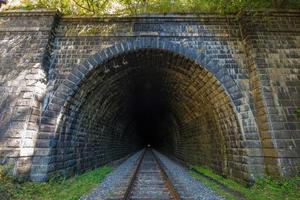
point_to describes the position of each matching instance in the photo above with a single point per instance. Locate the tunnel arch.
(57, 116)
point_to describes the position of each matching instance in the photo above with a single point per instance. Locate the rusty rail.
(129, 188)
(168, 182)
(165, 177)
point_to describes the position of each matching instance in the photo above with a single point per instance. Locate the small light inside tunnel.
(148, 145)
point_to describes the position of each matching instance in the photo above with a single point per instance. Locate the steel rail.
(131, 182)
(168, 182)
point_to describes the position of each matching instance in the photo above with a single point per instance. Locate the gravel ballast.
(112, 181)
(187, 186)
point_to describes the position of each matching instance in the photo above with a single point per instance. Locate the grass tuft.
(264, 188)
(68, 189)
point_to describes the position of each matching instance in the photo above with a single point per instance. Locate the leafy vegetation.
(213, 186)
(133, 7)
(68, 189)
(263, 189)
(298, 112)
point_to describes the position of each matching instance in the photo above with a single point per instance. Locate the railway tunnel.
(149, 96)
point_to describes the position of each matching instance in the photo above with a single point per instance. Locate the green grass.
(213, 186)
(69, 189)
(263, 189)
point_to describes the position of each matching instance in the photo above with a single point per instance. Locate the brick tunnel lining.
(152, 97)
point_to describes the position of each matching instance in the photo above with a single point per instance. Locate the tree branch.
(91, 6)
(81, 6)
(104, 4)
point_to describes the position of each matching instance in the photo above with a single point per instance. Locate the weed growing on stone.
(298, 112)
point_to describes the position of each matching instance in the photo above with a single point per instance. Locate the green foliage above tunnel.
(133, 7)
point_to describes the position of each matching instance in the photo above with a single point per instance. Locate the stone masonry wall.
(273, 60)
(24, 38)
(259, 54)
(219, 38)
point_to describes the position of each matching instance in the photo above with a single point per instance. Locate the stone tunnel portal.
(149, 96)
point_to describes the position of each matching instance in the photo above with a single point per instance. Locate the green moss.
(68, 189)
(298, 112)
(264, 188)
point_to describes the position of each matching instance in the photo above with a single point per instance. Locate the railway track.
(148, 180)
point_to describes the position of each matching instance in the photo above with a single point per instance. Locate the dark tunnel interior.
(151, 97)
(148, 108)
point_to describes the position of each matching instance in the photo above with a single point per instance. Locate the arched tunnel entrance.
(149, 96)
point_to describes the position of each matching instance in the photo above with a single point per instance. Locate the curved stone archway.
(102, 110)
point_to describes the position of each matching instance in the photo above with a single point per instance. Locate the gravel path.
(112, 180)
(185, 184)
